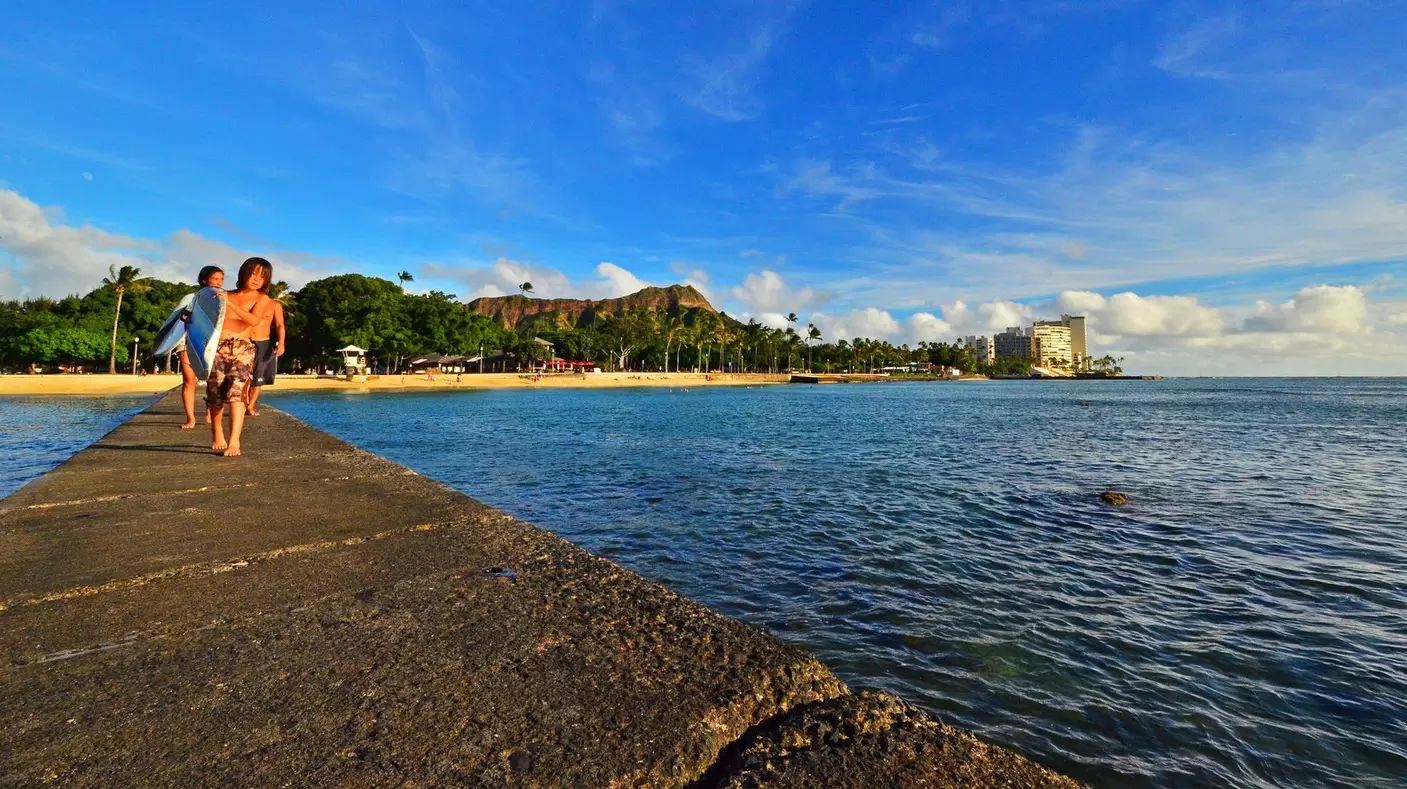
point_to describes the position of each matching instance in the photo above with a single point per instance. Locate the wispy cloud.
(1193, 51)
(1123, 211)
(82, 153)
(724, 85)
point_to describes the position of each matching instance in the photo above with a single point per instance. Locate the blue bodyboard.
(173, 331)
(203, 330)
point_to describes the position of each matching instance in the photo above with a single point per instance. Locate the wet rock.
(872, 739)
(1114, 498)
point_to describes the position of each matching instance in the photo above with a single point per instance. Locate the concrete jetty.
(312, 614)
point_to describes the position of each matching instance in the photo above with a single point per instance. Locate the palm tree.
(404, 277)
(686, 337)
(721, 335)
(525, 288)
(752, 335)
(813, 335)
(121, 280)
(673, 328)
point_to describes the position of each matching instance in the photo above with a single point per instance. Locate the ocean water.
(1243, 621)
(38, 433)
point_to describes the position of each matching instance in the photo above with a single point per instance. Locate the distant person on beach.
(266, 352)
(246, 309)
(210, 277)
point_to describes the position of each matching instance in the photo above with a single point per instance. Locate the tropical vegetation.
(397, 326)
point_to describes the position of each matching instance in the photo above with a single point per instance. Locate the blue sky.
(1221, 186)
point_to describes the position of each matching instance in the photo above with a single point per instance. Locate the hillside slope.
(518, 312)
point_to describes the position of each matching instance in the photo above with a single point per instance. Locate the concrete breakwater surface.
(1240, 622)
(316, 615)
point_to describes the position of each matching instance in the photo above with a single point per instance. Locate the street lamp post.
(481, 358)
(135, 340)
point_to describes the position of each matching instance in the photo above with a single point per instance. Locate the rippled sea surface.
(38, 433)
(1242, 621)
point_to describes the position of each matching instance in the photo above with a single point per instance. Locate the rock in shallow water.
(1114, 497)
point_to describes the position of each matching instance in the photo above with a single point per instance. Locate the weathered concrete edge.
(852, 722)
(867, 717)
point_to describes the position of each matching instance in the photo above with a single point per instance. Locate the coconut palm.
(673, 329)
(813, 335)
(722, 335)
(404, 277)
(525, 288)
(121, 280)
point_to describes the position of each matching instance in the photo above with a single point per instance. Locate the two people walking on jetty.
(245, 358)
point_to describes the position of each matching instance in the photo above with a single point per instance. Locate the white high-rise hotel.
(983, 350)
(1061, 344)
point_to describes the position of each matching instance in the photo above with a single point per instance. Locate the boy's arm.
(278, 323)
(240, 312)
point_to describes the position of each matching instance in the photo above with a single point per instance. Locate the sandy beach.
(102, 384)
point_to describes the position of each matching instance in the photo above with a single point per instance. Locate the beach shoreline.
(100, 384)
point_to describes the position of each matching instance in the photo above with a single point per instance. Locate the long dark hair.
(206, 273)
(247, 267)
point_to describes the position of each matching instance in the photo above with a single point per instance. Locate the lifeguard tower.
(353, 360)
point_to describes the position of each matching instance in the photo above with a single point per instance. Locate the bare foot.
(219, 446)
(252, 411)
(232, 451)
(188, 425)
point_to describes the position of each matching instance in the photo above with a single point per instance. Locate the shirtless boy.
(245, 309)
(266, 352)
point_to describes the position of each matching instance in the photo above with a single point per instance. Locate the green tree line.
(395, 326)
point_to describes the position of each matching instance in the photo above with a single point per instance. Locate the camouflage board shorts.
(231, 372)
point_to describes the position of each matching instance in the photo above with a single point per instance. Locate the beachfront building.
(1050, 345)
(1014, 343)
(1079, 345)
(983, 350)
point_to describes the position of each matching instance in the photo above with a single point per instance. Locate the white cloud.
(694, 276)
(986, 318)
(870, 322)
(1323, 328)
(1131, 314)
(615, 281)
(766, 291)
(927, 327)
(1322, 308)
(49, 257)
(504, 275)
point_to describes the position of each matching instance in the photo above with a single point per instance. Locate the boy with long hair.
(246, 308)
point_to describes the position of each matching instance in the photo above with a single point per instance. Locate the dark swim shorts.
(265, 362)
